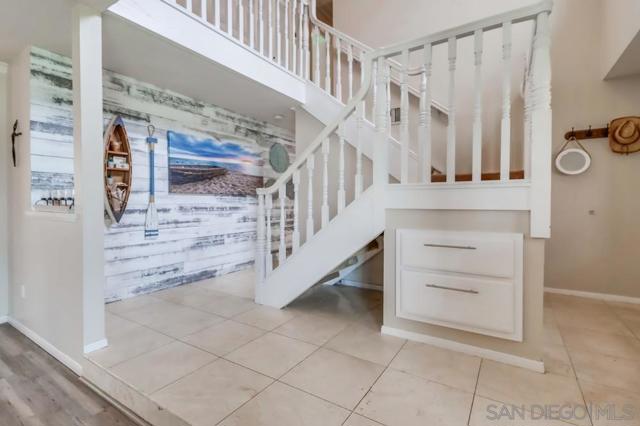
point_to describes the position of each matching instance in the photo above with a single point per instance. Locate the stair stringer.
(358, 224)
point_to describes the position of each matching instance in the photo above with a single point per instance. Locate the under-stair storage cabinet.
(470, 281)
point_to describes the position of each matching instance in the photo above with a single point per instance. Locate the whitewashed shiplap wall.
(201, 236)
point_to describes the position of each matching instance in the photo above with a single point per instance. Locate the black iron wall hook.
(14, 135)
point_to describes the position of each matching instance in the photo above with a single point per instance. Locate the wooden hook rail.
(602, 132)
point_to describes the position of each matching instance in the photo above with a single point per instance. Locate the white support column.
(270, 4)
(261, 26)
(342, 198)
(88, 166)
(451, 128)
(282, 250)
(305, 41)
(526, 160)
(404, 118)
(359, 127)
(476, 151)
(230, 17)
(380, 148)
(350, 71)
(240, 21)
(295, 237)
(327, 64)
(424, 144)
(203, 9)
(260, 241)
(338, 70)
(189, 5)
(316, 56)
(301, 39)
(268, 257)
(216, 13)
(374, 94)
(505, 128)
(294, 45)
(541, 130)
(252, 25)
(286, 34)
(310, 167)
(325, 183)
(278, 33)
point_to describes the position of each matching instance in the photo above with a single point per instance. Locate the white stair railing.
(377, 67)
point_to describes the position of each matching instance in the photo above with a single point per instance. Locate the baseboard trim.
(593, 295)
(359, 284)
(119, 406)
(92, 347)
(517, 361)
(47, 346)
(4, 320)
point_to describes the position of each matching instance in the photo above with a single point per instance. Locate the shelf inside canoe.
(117, 180)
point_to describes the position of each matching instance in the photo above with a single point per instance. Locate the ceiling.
(147, 57)
(629, 62)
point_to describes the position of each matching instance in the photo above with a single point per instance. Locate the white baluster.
(252, 25)
(350, 60)
(325, 183)
(282, 250)
(286, 34)
(359, 127)
(316, 54)
(338, 70)
(305, 41)
(278, 34)
(451, 128)
(240, 21)
(268, 256)
(260, 241)
(189, 5)
(301, 39)
(295, 237)
(203, 10)
(216, 12)
(294, 47)
(310, 166)
(380, 148)
(327, 70)
(270, 4)
(342, 197)
(527, 126)
(541, 130)
(261, 26)
(230, 17)
(476, 154)
(374, 94)
(404, 118)
(505, 128)
(424, 128)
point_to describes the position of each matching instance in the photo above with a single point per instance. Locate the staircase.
(303, 232)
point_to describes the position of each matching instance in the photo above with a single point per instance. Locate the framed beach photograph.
(212, 166)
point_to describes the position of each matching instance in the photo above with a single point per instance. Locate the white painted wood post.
(338, 70)
(327, 70)
(374, 94)
(305, 40)
(451, 128)
(301, 39)
(476, 150)
(203, 9)
(541, 130)
(316, 54)
(310, 167)
(359, 127)
(240, 21)
(282, 250)
(230, 17)
(261, 26)
(189, 5)
(294, 30)
(350, 71)
(216, 13)
(380, 148)
(270, 4)
(295, 237)
(342, 198)
(252, 25)
(424, 129)
(325, 183)
(278, 34)
(404, 117)
(505, 128)
(527, 126)
(286, 34)
(260, 241)
(268, 258)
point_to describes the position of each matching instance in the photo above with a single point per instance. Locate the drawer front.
(489, 254)
(475, 304)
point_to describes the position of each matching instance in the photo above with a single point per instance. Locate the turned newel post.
(260, 242)
(541, 129)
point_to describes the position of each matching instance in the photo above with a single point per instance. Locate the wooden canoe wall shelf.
(117, 169)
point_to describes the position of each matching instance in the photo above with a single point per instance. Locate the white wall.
(589, 252)
(5, 159)
(620, 23)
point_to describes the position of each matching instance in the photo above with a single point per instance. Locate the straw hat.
(624, 135)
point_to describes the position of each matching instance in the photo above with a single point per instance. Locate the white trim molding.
(593, 295)
(4, 319)
(95, 346)
(47, 346)
(505, 358)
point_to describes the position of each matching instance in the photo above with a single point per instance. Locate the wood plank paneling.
(201, 236)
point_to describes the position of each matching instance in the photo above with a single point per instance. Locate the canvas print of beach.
(211, 166)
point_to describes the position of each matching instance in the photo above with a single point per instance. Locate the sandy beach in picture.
(231, 183)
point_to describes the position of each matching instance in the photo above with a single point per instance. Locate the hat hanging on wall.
(572, 161)
(624, 135)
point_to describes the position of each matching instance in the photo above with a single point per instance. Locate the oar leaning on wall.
(151, 219)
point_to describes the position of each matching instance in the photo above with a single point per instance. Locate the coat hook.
(589, 133)
(573, 132)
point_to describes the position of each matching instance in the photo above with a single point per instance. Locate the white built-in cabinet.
(470, 281)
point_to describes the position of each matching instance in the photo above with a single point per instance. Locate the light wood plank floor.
(36, 390)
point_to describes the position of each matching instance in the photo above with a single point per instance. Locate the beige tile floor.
(211, 356)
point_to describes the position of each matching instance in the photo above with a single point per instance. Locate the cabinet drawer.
(475, 304)
(490, 254)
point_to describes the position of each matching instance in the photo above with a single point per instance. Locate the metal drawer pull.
(450, 246)
(451, 288)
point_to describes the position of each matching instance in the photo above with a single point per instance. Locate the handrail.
(326, 132)
(395, 65)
